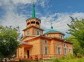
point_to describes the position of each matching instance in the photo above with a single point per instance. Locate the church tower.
(33, 25)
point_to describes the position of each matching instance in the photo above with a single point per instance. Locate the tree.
(76, 45)
(8, 42)
(77, 32)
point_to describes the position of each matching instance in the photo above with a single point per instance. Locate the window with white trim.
(70, 50)
(58, 50)
(61, 36)
(38, 33)
(45, 42)
(27, 32)
(46, 50)
(64, 45)
(65, 51)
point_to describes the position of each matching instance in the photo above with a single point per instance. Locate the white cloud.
(24, 1)
(17, 1)
(60, 23)
(11, 18)
(60, 20)
(7, 2)
(78, 15)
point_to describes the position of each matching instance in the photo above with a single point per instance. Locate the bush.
(54, 59)
(68, 56)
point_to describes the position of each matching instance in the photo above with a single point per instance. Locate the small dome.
(52, 31)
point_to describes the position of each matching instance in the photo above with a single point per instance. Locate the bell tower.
(33, 25)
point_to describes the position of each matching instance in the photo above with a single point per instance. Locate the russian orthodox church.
(35, 44)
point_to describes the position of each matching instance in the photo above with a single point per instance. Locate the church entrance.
(27, 53)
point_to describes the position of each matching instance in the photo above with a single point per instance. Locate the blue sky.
(53, 6)
(15, 12)
(68, 6)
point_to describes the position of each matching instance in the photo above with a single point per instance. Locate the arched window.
(69, 50)
(27, 33)
(61, 36)
(58, 50)
(46, 50)
(33, 22)
(45, 42)
(37, 23)
(28, 23)
(65, 51)
(64, 45)
(38, 33)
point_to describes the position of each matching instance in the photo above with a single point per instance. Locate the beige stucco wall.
(20, 52)
(52, 48)
(39, 45)
(35, 50)
(28, 32)
(32, 32)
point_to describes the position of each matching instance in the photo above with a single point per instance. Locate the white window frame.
(58, 50)
(65, 51)
(27, 32)
(38, 33)
(45, 50)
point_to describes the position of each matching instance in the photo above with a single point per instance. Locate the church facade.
(36, 44)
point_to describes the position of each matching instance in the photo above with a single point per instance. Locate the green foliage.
(77, 30)
(77, 36)
(76, 44)
(54, 59)
(8, 41)
(68, 58)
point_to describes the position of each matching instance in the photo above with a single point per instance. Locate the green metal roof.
(33, 11)
(52, 31)
(33, 14)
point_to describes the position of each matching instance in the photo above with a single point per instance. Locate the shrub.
(68, 56)
(54, 59)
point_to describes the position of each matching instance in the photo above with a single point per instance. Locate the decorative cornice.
(33, 27)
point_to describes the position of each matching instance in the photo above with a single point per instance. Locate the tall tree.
(76, 45)
(77, 30)
(8, 41)
(77, 35)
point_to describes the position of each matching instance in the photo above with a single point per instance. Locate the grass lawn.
(68, 58)
(73, 60)
(65, 60)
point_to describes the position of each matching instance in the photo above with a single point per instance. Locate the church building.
(35, 44)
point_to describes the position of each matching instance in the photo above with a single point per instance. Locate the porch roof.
(26, 45)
